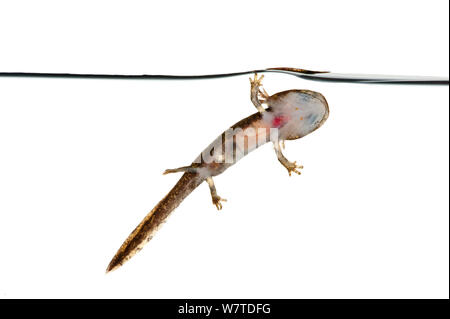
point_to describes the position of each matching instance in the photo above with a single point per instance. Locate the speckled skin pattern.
(291, 114)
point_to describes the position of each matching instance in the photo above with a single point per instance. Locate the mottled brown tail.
(147, 228)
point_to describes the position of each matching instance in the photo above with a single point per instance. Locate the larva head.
(297, 113)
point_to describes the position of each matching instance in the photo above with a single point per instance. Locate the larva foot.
(217, 201)
(293, 167)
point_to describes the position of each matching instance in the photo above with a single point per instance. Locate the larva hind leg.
(216, 199)
(188, 169)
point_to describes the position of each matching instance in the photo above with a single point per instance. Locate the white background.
(81, 160)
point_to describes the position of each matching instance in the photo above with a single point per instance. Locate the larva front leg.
(256, 90)
(290, 166)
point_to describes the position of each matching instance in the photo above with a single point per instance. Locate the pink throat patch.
(279, 121)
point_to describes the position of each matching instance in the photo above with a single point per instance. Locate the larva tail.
(150, 224)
